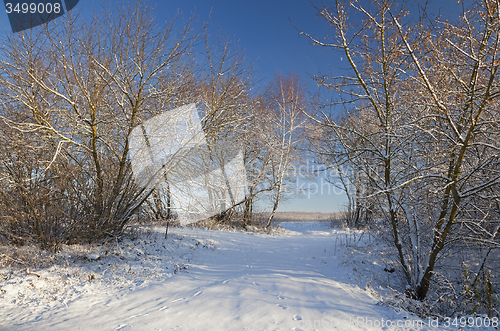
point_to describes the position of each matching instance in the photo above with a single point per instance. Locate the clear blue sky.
(263, 29)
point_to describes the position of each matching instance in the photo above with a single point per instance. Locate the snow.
(302, 278)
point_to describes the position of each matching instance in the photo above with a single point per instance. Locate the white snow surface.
(301, 278)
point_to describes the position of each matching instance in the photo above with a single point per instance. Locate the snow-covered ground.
(304, 278)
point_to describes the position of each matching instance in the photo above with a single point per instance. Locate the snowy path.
(248, 282)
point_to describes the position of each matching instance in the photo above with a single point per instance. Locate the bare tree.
(226, 86)
(287, 104)
(424, 98)
(343, 172)
(83, 85)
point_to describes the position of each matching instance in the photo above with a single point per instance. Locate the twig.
(21, 262)
(15, 260)
(31, 273)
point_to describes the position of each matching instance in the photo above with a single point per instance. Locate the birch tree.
(273, 136)
(287, 105)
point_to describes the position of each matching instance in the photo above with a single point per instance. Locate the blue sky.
(263, 29)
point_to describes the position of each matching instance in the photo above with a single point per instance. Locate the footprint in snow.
(179, 299)
(282, 307)
(226, 281)
(121, 327)
(197, 293)
(297, 318)
(256, 284)
(163, 308)
(281, 297)
(138, 315)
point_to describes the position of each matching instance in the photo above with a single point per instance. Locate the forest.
(409, 131)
